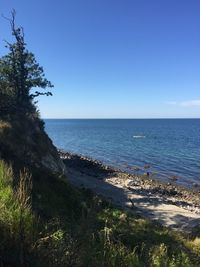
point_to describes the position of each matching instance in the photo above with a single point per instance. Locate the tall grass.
(45, 222)
(16, 218)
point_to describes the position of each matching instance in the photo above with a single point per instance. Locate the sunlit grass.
(4, 124)
(46, 222)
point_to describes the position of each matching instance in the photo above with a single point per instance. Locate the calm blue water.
(169, 146)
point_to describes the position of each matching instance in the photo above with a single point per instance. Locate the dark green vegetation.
(19, 73)
(46, 222)
(22, 138)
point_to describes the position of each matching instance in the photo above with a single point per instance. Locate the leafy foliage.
(19, 74)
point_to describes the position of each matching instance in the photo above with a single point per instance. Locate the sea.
(168, 149)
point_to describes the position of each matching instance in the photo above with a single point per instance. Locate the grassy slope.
(69, 227)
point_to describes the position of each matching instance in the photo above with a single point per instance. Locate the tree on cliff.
(20, 75)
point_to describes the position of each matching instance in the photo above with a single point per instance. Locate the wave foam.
(139, 136)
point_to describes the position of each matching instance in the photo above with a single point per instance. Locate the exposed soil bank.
(167, 203)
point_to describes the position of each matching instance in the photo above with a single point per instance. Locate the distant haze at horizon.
(131, 118)
(114, 59)
(115, 118)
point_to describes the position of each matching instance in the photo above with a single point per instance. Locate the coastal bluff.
(23, 142)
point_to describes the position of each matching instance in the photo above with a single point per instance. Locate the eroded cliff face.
(24, 142)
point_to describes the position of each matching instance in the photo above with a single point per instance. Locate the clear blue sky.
(114, 58)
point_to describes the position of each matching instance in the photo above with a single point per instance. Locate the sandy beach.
(166, 203)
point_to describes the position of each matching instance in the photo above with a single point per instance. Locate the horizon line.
(163, 118)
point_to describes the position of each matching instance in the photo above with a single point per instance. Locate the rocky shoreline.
(168, 192)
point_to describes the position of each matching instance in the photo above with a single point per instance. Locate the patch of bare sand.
(168, 205)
